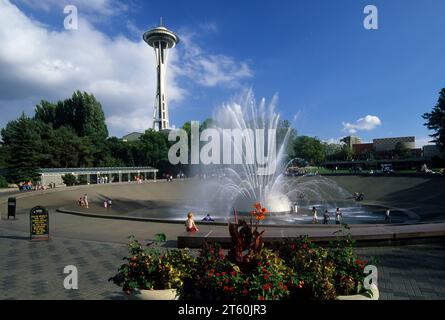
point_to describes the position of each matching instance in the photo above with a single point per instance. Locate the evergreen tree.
(22, 140)
(436, 121)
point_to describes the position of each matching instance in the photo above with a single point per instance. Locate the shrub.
(3, 182)
(348, 275)
(69, 180)
(147, 269)
(313, 271)
(222, 279)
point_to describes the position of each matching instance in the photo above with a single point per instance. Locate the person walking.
(85, 200)
(314, 213)
(326, 217)
(338, 215)
(388, 216)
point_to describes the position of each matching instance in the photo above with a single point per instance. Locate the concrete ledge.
(373, 295)
(379, 234)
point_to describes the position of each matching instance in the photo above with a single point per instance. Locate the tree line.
(73, 133)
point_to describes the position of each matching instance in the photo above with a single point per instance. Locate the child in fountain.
(314, 212)
(326, 217)
(338, 216)
(190, 223)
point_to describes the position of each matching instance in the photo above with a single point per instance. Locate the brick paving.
(34, 270)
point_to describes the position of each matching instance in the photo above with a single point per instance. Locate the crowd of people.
(28, 185)
(326, 216)
(83, 201)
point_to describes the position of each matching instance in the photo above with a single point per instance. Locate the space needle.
(161, 39)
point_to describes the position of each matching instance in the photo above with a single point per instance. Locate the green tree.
(46, 113)
(309, 148)
(401, 151)
(3, 182)
(435, 120)
(22, 140)
(284, 128)
(69, 179)
(121, 152)
(82, 112)
(3, 153)
(154, 147)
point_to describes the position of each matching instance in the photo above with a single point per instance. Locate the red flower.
(227, 280)
(218, 274)
(266, 287)
(263, 270)
(292, 246)
(267, 263)
(304, 246)
(266, 276)
(223, 273)
(210, 274)
(245, 291)
(261, 298)
(259, 264)
(233, 273)
(226, 288)
(260, 217)
(221, 253)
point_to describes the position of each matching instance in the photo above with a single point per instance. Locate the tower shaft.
(160, 116)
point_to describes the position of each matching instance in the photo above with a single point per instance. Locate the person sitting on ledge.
(207, 218)
(190, 223)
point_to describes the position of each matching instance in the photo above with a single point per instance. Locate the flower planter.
(167, 294)
(374, 295)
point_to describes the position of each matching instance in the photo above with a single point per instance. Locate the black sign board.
(11, 207)
(39, 223)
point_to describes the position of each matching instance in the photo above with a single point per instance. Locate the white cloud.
(366, 123)
(102, 7)
(39, 63)
(211, 70)
(332, 141)
(423, 141)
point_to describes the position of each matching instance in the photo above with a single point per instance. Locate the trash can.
(11, 207)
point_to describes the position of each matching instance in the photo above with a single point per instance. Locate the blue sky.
(316, 55)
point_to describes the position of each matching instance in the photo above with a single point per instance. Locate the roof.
(96, 170)
(132, 136)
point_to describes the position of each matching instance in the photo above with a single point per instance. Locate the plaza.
(126, 175)
(95, 244)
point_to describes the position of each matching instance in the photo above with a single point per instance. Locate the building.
(362, 148)
(350, 141)
(161, 39)
(92, 175)
(389, 144)
(134, 136)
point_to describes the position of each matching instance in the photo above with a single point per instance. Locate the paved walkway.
(34, 270)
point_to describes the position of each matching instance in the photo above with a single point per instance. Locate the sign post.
(12, 203)
(39, 223)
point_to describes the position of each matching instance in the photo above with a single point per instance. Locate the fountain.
(237, 186)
